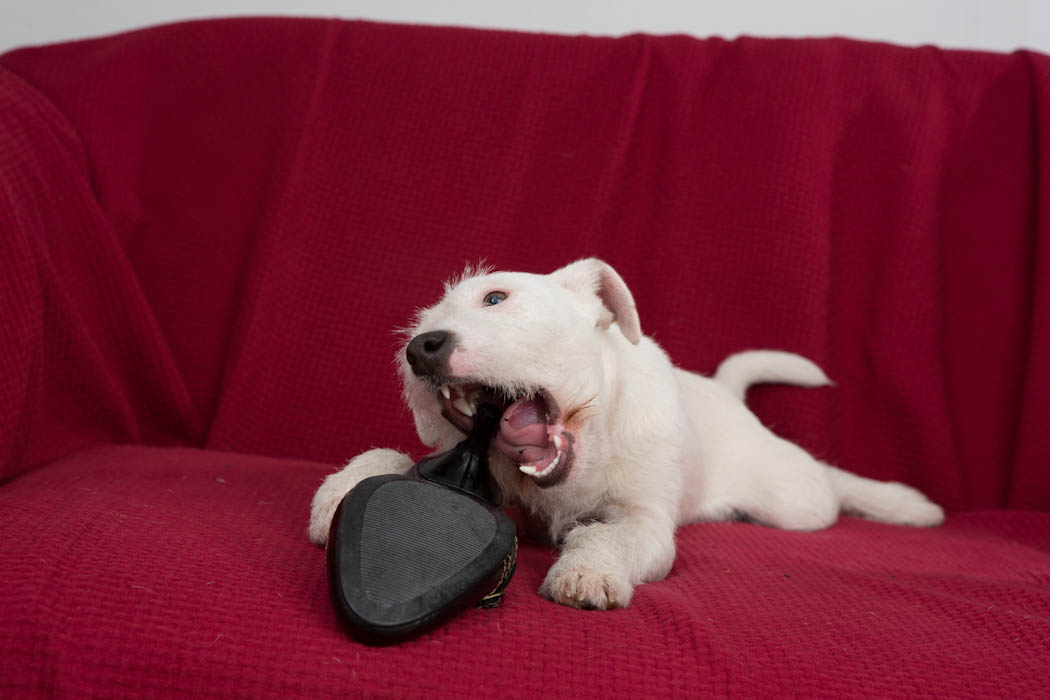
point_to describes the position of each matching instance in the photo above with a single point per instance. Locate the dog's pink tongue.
(524, 423)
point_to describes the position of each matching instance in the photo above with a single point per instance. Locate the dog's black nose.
(428, 353)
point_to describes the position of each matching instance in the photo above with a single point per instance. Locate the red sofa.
(208, 232)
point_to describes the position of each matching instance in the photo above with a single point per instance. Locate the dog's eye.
(493, 298)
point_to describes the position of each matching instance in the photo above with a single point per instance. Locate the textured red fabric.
(136, 572)
(208, 232)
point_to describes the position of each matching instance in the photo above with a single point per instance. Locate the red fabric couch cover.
(209, 230)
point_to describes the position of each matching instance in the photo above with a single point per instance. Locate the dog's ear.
(595, 277)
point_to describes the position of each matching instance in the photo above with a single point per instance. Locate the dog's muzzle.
(531, 434)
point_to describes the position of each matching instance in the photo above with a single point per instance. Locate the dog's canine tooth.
(445, 392)
(557, 445)
(463, 406)
(530, 471)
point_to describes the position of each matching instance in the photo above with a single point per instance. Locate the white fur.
(655, 446)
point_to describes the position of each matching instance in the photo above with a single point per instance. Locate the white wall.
(986, 24)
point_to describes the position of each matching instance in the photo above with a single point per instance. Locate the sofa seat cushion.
(139, 571)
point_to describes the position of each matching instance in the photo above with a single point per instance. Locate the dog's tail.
(740, 371)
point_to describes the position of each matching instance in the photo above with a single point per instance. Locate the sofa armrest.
(83, 363)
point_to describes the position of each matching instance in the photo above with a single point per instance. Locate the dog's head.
(536, 345)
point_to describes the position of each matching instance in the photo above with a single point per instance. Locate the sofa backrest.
(258, 203)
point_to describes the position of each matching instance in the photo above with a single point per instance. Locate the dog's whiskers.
(582, 411)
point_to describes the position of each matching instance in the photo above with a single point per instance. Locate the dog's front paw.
(581, 586)
(337, 485)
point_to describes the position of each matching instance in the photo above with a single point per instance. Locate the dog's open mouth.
(531, 434)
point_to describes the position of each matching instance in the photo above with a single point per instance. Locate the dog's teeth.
(445, 392)
(531, 471)
(461, 405)
(557, 445)
(551, 466)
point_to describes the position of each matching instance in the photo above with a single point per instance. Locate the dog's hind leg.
(787, 489)
(886, 501)
(335, 486)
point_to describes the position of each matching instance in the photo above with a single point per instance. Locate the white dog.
(602, 439)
